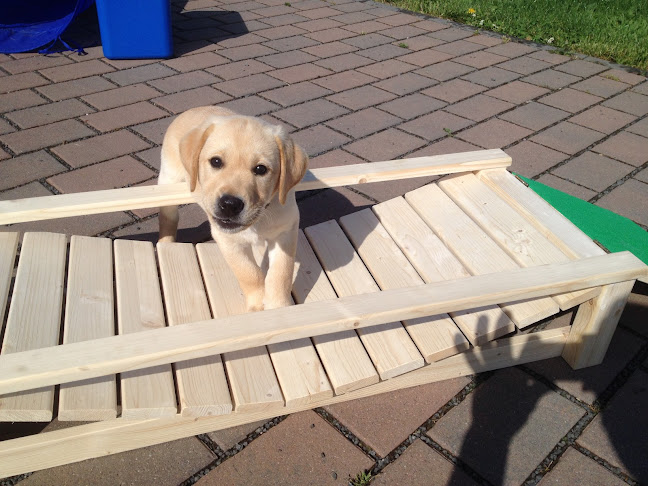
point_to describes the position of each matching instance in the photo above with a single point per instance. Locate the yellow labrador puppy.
(242, 172)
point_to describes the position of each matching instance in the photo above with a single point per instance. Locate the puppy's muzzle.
(230, 206)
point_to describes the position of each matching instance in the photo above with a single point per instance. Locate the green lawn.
(616, 30)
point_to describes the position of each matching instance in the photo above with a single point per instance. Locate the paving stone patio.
(356, 81)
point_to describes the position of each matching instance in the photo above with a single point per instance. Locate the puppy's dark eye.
(260, 169)
(216, 162)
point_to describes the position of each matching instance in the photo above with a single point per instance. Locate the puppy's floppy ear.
(293, 162)
(190, 147)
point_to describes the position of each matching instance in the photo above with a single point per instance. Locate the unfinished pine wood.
(74, 444)
(344, 357)
(519, 238)
(389, 346)
(594, 325)
(435, 263)
(436, 337)
(39, 279)
(252, 379)
(8, 247)
(89, 314)
(202, 385)
(65, 205)
(147, 392)
(476, 251)
(70, 362)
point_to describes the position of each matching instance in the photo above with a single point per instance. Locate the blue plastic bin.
(135, 29)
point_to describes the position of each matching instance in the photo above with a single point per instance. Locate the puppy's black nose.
(230, 206)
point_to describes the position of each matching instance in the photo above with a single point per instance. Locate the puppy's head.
(237, 165)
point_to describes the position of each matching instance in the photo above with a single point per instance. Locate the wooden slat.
(519, 238)
(78, 361)
(436, 337)
(344, 357)
(476, 251)
(89, 314)
(435, 263)
(65, 205)
(39, 278)
(74, 444)
(252, 379)
(389, 346)
(202, 385)
(148, 392)
(8, 247)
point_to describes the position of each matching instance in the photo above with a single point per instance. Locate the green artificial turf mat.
(614, 232)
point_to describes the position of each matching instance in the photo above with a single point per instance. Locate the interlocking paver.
(344, 62)
(452, 34)
(574, 468)
(551, 79)
(578, 67)
(603, 119)
(45, 136)
(286, 59)
(494, 133)
(249, 85)
(367, 41)
(33, 63)
(640, 128)
(511, 49)
(184, 100)
(552, 57)
(228, 438)
(362, 97)
(629, 102)
(250, 105)
(445, 70)
(425, 57)
(616, 434)
(531, 159)
(19, 100)
(5, 127)
(330, 49)
(154, 130)
(344, 80)
(49, 113)
(459, 48)
(322, 455)
(384, 52)
(529, 419)
(535, 116)
(406, 83)
(334, 158)
(600, 86)
(491, 77)
(246, 52)
(384, 424)
(420, 42)
(367, 27)
(124, 116)
(319, 25)
(21, 81)
(480, 59)
(26, 168)
(567, 137)
(290, 42)
(75, 88)
(99, 148)
(454, 90)
(420, 465)
(140, 74)
(239, 69)
(524, 65)
(387, 69)
(301, 72)
(296, 93)
(74, 71)
(310, 113)
(364, 122)
(517, 92)
(566, 186)
(403, 32)
(436, 125)
(412, 106)
(570, 100)
(386, 145)
(629, 199)
(626, 147)
(327, 34)
(479, 107)
(318, 139)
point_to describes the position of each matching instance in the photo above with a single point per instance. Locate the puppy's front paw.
(276, 303)
(167, 239)
(254, 307)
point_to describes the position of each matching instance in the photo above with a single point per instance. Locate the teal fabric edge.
(614, 232)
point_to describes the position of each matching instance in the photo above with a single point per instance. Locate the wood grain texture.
(345, 359)
(202, 385)
(59, 447)
(65, 205)
(515, 235)
(253, 383)
(89, 314)
(436, 337)
(474, 248)
(39, 278)
(147, 392)
(77, 361)
(389, 346)
(435, 263)
(8, 247)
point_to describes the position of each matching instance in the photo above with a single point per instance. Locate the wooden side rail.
(78, 361)
(85, 203)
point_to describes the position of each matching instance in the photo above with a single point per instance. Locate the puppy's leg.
(240, 258)
(281, 253)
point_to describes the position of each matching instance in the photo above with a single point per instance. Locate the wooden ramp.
(446, 281)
